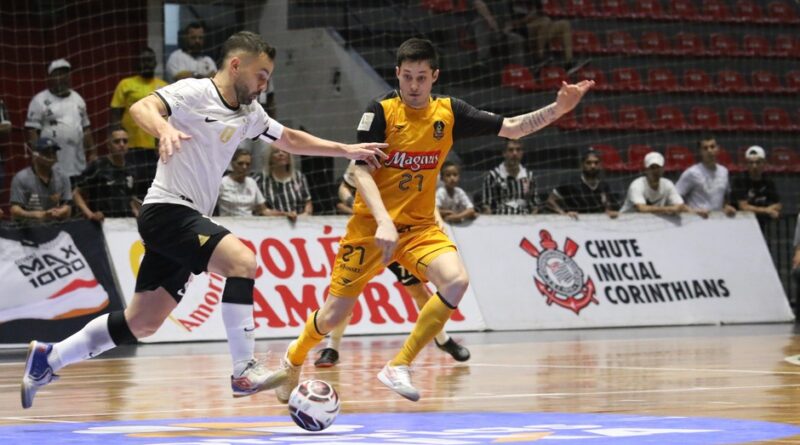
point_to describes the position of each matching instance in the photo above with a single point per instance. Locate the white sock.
(239, 326)
(442, 337)
(335, 336)
(91, 341)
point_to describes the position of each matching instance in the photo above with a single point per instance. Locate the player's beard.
(243, 94)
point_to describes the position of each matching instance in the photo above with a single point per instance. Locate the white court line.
(33, 419)
(642, 368)
(434, 399)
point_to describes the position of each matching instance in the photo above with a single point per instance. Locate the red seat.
(661, 79)
(626, 79)
(682, 10)
(552, 8)
(669, 117)
(647, 9)
(704, 118)
(753, 45)
(723, 45)
(438, 5)
(567, 122)
(779, 11)
(519, 77)
(586, 42)
(636, 154)
(696, 80)
(724, 158)
(609, 157)
(677, 158)
(688, 44)
(786, 46)
(633, 117)
(550, 77)
(596, 74)
(715, 11)
(740, 119)
(793, 81)
(783, 160)
(776, 119)
(621, 42)
(731, 81)
(655, 42)
(765, 82)
(597, 116)
(613, 9)
(580, 8)
(748, 11)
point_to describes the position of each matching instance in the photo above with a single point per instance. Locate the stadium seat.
(636, 154)
(580, 8)
(776, 119)
(688, 44)
(782, 160)
(610, 157)
(754, 45)
(669, 117)
(621, 42)
(780, 11)
(655, 42)
(722, 45)
(724, 158)
(786, 45)
(677, 158)
(552, 8)
(586, 42)
(740, 119)
(518, 77)
(567, 122)
(613, 9)
(647, 9)
(626, 79)
(597, 117)
(792, 82)
(702, 117)
(661, 79)
(696, 80)
(682, 10)
(765, 82)
(730, 81)
(596, 74)
(633, 117)
(438, 5)
(715, 11)
(748, 11)
(550, 77)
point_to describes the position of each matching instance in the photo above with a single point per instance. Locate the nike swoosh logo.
(250, 330)
(208, 119)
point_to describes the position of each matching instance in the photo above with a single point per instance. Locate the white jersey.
(457, 203)
(703, 188)
(640, 192)
(239, 198)
(180, 60)
(193, 175)
(63, 120)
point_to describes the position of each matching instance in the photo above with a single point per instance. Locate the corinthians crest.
(558, 276)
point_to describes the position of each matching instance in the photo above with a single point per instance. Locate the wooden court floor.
(730, 372)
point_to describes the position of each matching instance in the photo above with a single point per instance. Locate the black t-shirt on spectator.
(579, 197)
(761, 193)
(108, 188)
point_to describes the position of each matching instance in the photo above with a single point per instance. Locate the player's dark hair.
(418, 50)
(247, 41)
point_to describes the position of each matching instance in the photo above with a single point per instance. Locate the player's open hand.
(371, 153)
(386, 239)
(169, 142)
(570, 95)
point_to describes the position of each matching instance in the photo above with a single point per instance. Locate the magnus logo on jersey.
(414, 161)
(560, 279)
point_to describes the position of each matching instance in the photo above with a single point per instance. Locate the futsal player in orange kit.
(393, 215)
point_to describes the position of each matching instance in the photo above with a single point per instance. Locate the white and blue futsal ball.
(314, 405)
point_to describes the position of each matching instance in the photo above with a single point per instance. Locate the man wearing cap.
(59, 113)
(755, 193)
(706, 185)
(652, 193)
(39, 192)
(587, 194)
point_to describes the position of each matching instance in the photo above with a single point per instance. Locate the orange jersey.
(419, 141)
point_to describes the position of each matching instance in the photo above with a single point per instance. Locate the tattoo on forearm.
(537, 120)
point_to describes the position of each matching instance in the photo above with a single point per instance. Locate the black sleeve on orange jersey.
(377, 130)
(470, 121)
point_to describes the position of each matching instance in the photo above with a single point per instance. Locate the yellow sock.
(431, 320)
(308, 339)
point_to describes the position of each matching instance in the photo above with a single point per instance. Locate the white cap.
(57, 64)
(653, 158)
(755, 152)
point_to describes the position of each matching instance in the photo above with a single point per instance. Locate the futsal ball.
(314, 405)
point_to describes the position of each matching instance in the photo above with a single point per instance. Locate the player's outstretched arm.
(567, 98)
(386, 234)
(148, 113)
(302, 143)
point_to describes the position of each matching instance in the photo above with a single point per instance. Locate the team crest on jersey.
(560, 279)
(414, 161)
(438, 130)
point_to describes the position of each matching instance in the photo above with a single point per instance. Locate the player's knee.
(142, 327)
(244, 265)
(456, 284)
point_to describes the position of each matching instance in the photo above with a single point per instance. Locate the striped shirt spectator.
(509, 189)
(285, 189)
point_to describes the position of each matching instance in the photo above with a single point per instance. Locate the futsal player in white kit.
(207, 119)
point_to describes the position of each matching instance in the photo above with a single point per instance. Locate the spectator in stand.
(188, 60)
(452, 201)
(492, 28)
(528, 19)
(706, 185)
(652, 193)
(40, 192)
(142, 156)
(106, 188)
(59, 113)
(284, 188)
(587, 194)
(755, 193)
(509, 189)
(238, 193)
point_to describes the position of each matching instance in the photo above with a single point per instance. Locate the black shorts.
(178, 241)
(405, 277)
